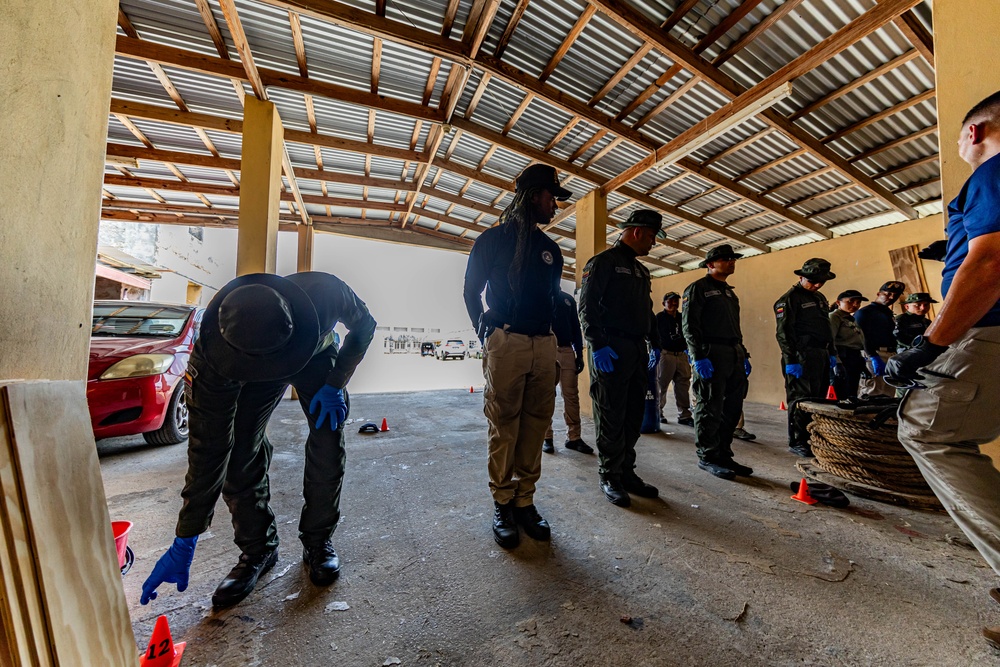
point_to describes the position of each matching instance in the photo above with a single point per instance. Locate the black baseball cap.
(893, 286)
(671, 295)
(851, 294)
(542, 176)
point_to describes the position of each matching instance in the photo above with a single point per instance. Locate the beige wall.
(55, 88)
(861, 261)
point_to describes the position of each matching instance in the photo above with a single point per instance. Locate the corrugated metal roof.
(343, 56)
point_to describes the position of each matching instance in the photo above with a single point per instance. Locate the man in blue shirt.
(954, 368)
(520, 267)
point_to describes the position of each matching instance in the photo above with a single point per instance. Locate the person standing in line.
(569, 356)
(848, 341)
(674, 365)
(807, 352)
(913, 322)
(616, 311)
(260, 334)
(711, 321)
(953, 370)
(520, 268)
(877, 323)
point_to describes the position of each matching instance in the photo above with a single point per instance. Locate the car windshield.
(455, 342)
(140, 320)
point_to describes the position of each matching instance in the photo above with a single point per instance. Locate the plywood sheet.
(909, 269)
(68, 524)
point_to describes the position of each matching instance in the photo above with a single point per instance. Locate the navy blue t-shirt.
(974, 212)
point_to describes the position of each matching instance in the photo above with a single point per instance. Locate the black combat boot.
(504, 526)
(615, 491)
(534, 525)
(323, 562)
(241, 580)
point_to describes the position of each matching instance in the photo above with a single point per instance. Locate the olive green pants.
(619, 402)
(719, 403)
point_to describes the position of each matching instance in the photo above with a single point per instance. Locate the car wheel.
(175, 424)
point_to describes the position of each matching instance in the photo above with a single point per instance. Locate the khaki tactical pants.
(570, 388)
(674, 367)
(875, 385)
(518, 402)
(943, 427)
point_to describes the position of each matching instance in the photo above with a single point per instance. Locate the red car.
(139, 352)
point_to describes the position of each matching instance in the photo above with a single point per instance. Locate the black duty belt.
(713, 340)
(529, 328)
(625, 334)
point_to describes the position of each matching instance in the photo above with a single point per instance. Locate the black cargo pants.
(229, 453)
(813, 385)
(719, 402)
(619, 402)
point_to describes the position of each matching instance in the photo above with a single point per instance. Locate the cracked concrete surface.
(713, 573)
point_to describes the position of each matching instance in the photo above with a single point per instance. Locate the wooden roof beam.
(753, 33)
(917, 34)
(881, 115)
(567, 43)
(895, 142)
(726, 24)
(508, 32)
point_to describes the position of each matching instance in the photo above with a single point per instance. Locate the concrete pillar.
(964, 46)
(591, 238)
(304, 261)
(260, 188)
(55, 90)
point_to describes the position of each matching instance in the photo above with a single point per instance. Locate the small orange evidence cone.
(385, 425)
(781, 406)
(831, 395)
(472, 390)
(162, 651)
(803, 495)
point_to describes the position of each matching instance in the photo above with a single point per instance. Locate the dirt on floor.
(712, 573)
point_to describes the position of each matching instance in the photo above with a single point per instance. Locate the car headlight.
(139, 366)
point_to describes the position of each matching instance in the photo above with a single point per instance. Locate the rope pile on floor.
(845, 445)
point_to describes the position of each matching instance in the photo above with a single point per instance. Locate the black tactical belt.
(529, 329)
(711, 340)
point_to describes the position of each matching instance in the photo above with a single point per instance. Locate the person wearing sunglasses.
(953, 370)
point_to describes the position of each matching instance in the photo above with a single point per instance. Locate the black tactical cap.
(817, 269)
(919, 297)
(671, 295)
(645, 217)
(893, 286)
(851, 294)
(724, 251)
(542, 176)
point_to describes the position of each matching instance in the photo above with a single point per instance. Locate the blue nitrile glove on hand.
(833, 364)
(878, 366)
(747, 367)
(330, 402)
(704, 368)
(174, 567)
(795, 370)
(654, 358)
(603, 359)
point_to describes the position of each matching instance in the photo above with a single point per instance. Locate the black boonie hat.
(817, 269)
(645, 217)
(542, 176)
(851, 294)
(724, 251)
(259, 327)
(893, 286)
(919, 297)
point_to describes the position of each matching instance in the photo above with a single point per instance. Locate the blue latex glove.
(654, 358)
(704, 368)
(603, 359)
(174, 567)
(795, 370)
(330, 402)
(833, 364)
(747, 367)
(878, 366)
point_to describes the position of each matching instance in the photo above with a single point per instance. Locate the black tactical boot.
(504, 527)
(241, 580)
(534, 525)
(720, 471)
(548, 447)
(324, 565)
(634, 485)
(615, 491)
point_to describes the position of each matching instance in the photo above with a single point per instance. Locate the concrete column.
(55, 90)
(591, 238)
(304, 261)
(591, 228)
(260, 188)
(964, 46)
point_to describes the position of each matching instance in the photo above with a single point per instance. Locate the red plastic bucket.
(120, 530)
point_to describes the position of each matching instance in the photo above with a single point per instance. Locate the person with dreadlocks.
(520, 268)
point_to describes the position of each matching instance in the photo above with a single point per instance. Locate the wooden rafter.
(726, 24)
(881, 115)
(449, 17)
(622, 72)
(567, 42)
(508, 32)
(754, 32)
(895, 143)
(917, 34)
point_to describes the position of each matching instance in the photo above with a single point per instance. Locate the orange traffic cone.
(162, 651)
(803, 495)
(385, 425)
(831, 395)
(472, 390)
(781, 406)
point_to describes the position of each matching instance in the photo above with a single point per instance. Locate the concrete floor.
(713, 573)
